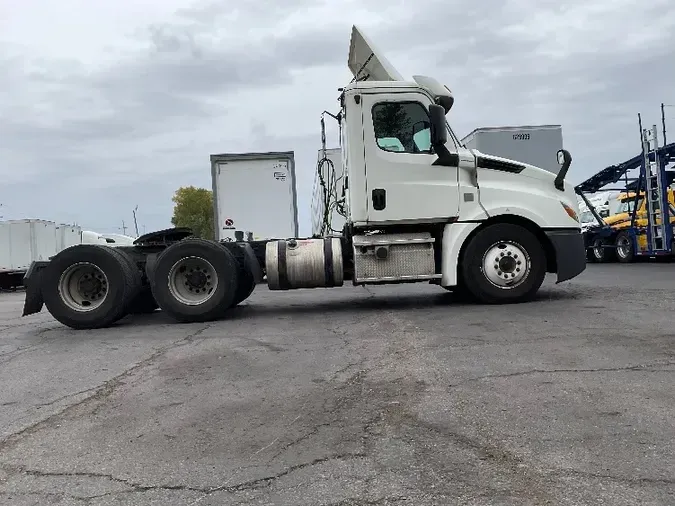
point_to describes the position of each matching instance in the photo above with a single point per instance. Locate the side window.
(402, 127)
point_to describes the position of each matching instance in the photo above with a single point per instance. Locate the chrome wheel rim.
(623, 247)
(83, 287)
(192, 280)
(506, 264)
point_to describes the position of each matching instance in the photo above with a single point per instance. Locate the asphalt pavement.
(352, 396)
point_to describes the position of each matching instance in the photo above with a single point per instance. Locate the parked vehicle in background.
(254, 196)
(643, 222)
(535, 145)
(23, 242)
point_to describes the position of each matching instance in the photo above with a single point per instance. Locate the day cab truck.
(419, 208)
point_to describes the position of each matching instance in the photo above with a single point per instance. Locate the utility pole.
(135, 221)
(124, 228)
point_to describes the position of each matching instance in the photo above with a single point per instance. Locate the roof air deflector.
(366, 62)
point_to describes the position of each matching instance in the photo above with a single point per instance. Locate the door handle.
(379, 199)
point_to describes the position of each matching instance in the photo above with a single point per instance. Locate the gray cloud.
(87, 140)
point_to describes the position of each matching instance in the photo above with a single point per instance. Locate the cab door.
(402, 184)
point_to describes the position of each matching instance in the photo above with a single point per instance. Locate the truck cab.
(397, 175)
(627, 202)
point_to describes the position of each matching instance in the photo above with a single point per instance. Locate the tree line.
(193, 209)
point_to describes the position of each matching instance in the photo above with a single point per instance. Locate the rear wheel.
(503, 263)
(597, 252)
(624, 247)
(195, 280)
(89, 286)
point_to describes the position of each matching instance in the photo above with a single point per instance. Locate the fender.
(454, 236)
(517, 211)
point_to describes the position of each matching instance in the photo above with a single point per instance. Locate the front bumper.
(570, 252)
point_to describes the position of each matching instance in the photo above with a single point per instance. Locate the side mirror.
(565, 160)
(439, 131)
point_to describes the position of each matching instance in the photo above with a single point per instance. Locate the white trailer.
(328, 194)
(254, 196)
(419, 207)
(23, 242)
(535, 145)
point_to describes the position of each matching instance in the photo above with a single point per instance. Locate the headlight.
(570, 212)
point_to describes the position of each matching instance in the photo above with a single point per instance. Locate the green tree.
(193, 208)
(392, 120)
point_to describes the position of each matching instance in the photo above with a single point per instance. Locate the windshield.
(627, 206)
(587, 217)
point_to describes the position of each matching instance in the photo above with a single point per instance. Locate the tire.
(144, 302)
(195, 280)
(596, 253)
(624, 248)
(514, 249)
(107, 284)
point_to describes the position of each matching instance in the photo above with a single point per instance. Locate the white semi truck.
(419, 208)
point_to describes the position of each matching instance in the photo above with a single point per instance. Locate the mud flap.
(252, 262)
(32, 282)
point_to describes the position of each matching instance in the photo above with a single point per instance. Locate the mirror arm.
(445, 157)
(559, 181)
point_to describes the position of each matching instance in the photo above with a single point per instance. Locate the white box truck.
(328, 194)
(535, 145)
(420, 207)
(21, 243)
(254, 196)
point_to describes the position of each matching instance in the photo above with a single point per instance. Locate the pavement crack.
(619, 479)
(358, 363)
(11, 355)
(67, 396)
(300, 439)
(99, 393)
(382, 501)
(133, 486)
(263, 344)
(268, 480)
(653, 367)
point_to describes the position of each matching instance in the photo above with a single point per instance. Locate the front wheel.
(503, 263)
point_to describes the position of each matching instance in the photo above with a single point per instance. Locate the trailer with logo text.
(254, 196)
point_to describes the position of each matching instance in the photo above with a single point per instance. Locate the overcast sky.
(111, 104)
